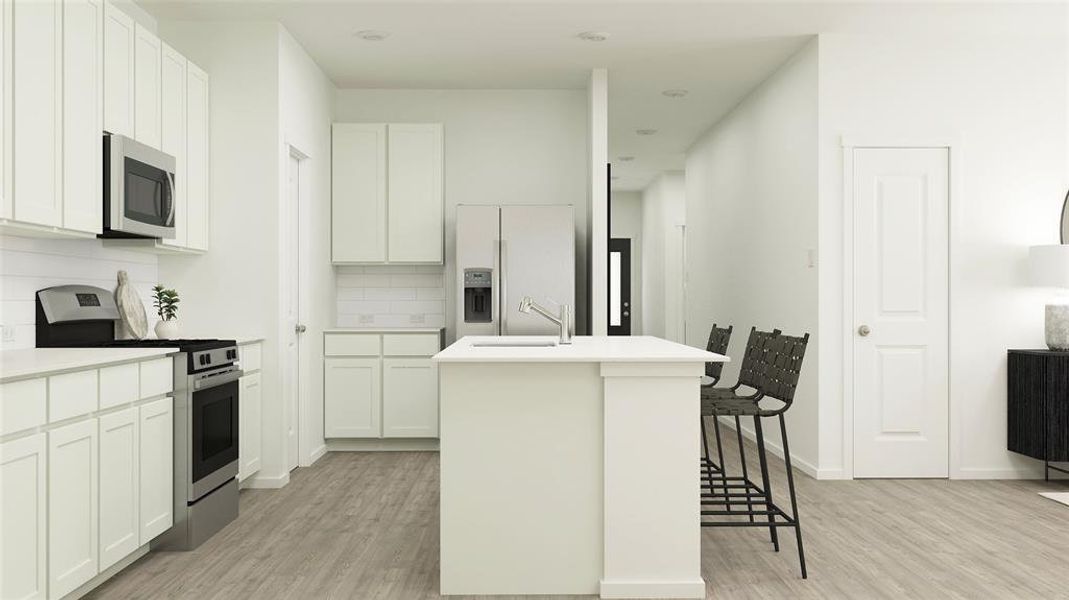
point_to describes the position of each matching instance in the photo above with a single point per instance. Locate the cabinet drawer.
(24, 405)
(250, 357)
(71, 395)
(410, 344)
(351, 344)
(157, 377)
(119, 385)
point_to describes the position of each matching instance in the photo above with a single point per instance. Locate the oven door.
(213, 436)
(141, 192)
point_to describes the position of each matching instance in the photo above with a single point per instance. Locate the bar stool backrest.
(784, 367)
(719, 337)
(752, 371)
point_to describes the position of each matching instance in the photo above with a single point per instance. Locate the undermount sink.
(506, 343)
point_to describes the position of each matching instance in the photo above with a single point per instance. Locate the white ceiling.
(717, 50)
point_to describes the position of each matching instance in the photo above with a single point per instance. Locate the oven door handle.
(217, 380)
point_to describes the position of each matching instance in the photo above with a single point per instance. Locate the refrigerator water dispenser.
(478, 293)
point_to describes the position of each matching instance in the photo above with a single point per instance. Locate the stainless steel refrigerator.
(505, 253)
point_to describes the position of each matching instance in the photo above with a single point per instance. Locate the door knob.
(864, 330)
(300, 328)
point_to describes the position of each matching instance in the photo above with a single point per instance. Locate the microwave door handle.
(170, 213)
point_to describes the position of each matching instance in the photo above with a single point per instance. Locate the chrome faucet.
(564, 321)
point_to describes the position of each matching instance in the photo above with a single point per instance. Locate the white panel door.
(83, 165)
(198, 189)
(416, 196)
(6, 122)
(901, 338)
(118, 71)
(173, 133)
(37, 96)
(358, 193)
(23, 512)
(120, 478)
(157, 468)
(148, 54)
(250, 397)
(353, 396)
(409, 398)
(72, 506)
(537, 260)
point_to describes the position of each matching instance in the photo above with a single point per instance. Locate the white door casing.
(291, 309)
(900, 326)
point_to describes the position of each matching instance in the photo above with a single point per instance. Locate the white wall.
(751, 210)
(501, 147)
(663, 215)
(1004, 99)
(626, 219)
(598, 148)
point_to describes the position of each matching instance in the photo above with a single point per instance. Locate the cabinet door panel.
(415, 193)
(83, 165)
(147, 60)
(23, 508)
(173, 133)
(119, 486)
(157, 468)
(353, 398)
(358, 193)
(409, 397)
(38, 81)
(118, 72)
(198, 190)
(249, 399)
(72, 506)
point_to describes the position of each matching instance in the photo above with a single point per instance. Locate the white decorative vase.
(1058, 326)
(167, 330)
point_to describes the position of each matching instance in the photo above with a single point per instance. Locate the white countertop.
(644, 349)
(34, 362)
(384, 330)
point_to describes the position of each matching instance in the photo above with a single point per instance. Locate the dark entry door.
(620, 286)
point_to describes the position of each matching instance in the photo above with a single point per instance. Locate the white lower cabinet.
(157, 468)
(72, 506)
(352, 391)
(250, 414)
(23, 507)
(409, 398)
(120, 478)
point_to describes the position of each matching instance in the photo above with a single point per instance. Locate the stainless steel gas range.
(206, 373)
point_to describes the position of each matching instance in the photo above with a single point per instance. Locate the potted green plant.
(165, 301)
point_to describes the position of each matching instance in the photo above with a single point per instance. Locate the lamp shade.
(1050, 265)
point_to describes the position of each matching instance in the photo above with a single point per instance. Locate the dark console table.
(1039, 406)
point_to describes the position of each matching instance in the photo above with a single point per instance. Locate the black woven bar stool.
(776, 379)
(719, 338)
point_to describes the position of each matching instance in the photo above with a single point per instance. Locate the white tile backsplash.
(30, 264)
(391, 296)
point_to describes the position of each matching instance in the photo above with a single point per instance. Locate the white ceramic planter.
(167, 330)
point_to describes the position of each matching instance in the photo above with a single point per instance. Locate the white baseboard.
(775, 449)
(266, 482)
(316, 454)
(653, 589)
(383, 445)
(1000, 473)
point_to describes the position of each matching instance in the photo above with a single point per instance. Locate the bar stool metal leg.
(723, 469)
(708, 459)
(794, 499)
(765, 482)
(745, 473)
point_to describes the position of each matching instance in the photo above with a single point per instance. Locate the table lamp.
(1050, 268)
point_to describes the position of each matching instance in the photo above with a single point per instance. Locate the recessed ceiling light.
(645, 131)
(372, 35)
(625, 158)
(677, 93)
(594, 36)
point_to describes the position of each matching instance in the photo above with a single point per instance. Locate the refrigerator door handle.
(504, 288)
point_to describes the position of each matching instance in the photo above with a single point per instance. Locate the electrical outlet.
(8, 333)
(366, 319)
(418, 319)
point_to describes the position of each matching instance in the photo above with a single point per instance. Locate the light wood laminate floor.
(365, 526)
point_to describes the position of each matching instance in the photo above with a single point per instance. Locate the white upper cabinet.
(23, 512)
(83, 168)
(387, 193)
(197, 195)
(38, 137)
(358, 195)
(118, 72)
(6, 139)
(173, 132)
(415, 193)
(148, 52)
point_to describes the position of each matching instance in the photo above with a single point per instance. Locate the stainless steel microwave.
(139, 192)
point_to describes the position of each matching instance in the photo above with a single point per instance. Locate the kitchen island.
(571, 469)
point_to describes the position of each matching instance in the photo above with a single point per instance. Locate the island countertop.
(639, 349)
